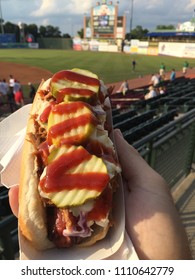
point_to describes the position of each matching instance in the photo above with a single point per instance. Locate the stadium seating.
(4, 203)
(115, 112)
(138, 121)
(177, 103)
(9, 238)
(124, 101)
(123, 116)
(8, 228)
(189, 105)
(149, 126)
(131, 122)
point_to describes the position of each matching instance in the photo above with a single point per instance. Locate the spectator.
(10, 95)
(161, 80)
(155, 80)
(152, 93)
(172, 75)
(122, 45)
(161, 90)
(11, 84)
(162, 69)
(32, 91)
(3, 92)
(19, 99)
(133, 65)
(185, 67)
(1, 87)
(124, 87)
(16, 86)
(5, 86)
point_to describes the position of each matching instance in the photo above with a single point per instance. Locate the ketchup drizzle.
(75, 77)
(63, 128)
(85, 93)
(58, 178)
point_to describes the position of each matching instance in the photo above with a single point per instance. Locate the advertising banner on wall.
(94, 45)
(177, 49)
(7, 38)
(143, 50)
(189, 50)
(143, 47)
(77, 44)
(172, 49)
(152, 51)
(133, 49)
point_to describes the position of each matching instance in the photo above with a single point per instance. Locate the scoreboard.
(104, 20)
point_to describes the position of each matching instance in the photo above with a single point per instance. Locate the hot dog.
(69, 167)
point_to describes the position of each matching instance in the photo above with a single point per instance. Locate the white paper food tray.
(116, 245)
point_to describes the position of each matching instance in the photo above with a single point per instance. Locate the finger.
(13, 199)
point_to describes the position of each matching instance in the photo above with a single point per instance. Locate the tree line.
(140, 33)
(50, 31)
(42, 31)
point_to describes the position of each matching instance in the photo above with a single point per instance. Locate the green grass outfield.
(111, 67)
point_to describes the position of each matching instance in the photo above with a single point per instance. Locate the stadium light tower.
(1, 15)
(131, 17)
(194, 19)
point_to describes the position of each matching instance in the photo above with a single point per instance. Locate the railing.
(170, 149)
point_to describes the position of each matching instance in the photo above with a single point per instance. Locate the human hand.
(152, 221)
(13, 199)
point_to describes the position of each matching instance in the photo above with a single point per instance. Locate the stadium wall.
(55, 43)
(7, 38)
(163, 48)
(19, 45)
(177, 49)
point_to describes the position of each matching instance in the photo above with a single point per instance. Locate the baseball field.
(34, 64)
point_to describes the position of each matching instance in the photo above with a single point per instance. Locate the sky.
(68, 14)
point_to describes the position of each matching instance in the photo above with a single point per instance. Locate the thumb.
(13, 199)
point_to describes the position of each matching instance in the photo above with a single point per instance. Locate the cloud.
(54, 7)
(68, 14)
(150, 13)
(191, 4)
(152, 4)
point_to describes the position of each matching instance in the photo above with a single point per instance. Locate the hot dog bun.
(32, 215)
(67, 177)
